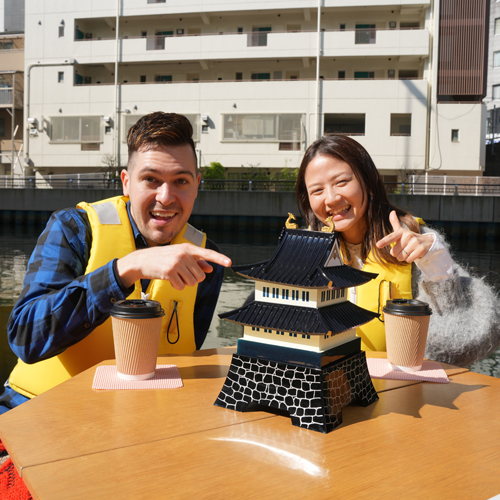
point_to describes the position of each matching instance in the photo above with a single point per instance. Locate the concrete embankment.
(470, 216)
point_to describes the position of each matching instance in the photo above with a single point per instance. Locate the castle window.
(274, 293)
(323, 296)
(307, 296)
(253, 328)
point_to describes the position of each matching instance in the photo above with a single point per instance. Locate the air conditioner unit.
(32, 121)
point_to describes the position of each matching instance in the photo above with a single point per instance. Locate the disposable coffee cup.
(406, 327)
(136, 335)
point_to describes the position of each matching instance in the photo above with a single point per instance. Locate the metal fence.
(487, 187)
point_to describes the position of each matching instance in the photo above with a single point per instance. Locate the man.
(131, 246)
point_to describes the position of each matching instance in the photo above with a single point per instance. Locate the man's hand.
(408, 245)
(183, 265)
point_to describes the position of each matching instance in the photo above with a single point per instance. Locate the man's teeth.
(340, 210)
(158, 214)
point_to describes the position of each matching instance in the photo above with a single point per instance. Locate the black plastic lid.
(135, 309)
(407, 307)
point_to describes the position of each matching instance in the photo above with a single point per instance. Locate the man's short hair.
(160, 130)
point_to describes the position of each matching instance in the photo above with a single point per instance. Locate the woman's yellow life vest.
(392, 282)
(112, 237)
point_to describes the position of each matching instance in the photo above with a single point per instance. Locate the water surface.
(17, 243)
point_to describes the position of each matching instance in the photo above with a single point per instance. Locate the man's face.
(162, 185)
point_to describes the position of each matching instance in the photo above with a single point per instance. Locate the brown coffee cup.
(136, 335)
(406, 327)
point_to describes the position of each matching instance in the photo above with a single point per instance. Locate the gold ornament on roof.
(328, 228)
(289, 224)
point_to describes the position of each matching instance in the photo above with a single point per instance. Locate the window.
(180, 31)
(261, 76)
(323, 296)
(60, 76)
(7, 45)
(342, 27)
(76, 129)
(365, 33)
(455, 135)
(496, 59)
(2, 127)
(264, 127)
(409, 24)
(391, 73)
(344, 123)
(239, 76)
(496, 92)
(163, 78)
(239, 29)
(142, 78)
(61, 31)
(401, 124)
(258, 37)
(497, 26)
(392, 25)
(144, 34)
(341, 75)
(408, 73)
(364, 74)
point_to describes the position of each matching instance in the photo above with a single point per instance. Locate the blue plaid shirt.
(60, 305)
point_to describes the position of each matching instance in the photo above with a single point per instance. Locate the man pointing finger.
(131, 246)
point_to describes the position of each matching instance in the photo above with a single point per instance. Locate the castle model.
(299, 350)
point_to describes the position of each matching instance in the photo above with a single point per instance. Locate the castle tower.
(299, 350)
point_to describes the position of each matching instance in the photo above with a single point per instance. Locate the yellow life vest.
(392, 282)
(112, 237)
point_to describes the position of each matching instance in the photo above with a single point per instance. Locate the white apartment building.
(259, 80)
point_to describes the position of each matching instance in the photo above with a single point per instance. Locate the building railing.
(6, 96)
(490, 186)
(363, 33)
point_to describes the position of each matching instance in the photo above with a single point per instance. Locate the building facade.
(259, 80)
(11, 85)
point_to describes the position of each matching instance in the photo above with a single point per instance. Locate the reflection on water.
(17, 244)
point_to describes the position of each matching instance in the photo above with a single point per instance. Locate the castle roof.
(304, 258)
(335, 318)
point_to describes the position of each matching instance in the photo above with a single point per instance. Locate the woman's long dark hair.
(378, 206)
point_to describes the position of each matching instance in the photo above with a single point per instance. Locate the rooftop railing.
(488, 186)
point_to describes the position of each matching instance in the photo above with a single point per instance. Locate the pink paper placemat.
(431, 371)
(166, 377)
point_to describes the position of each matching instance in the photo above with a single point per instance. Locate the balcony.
(8, 97)
(251, 45)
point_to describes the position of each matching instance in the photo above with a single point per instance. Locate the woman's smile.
(334, 191)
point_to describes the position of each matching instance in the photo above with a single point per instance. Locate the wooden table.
(420, 440)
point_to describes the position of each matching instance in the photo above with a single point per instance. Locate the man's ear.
(125, 176)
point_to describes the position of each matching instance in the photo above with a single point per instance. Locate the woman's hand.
(408, 246)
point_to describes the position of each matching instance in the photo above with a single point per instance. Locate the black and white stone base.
(314, 398)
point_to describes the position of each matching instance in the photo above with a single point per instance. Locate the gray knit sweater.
(465, 324)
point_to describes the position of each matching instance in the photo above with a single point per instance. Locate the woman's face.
(334, 190)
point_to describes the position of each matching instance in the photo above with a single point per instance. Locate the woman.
(338, 180)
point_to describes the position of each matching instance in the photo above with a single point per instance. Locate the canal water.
(17, 243)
